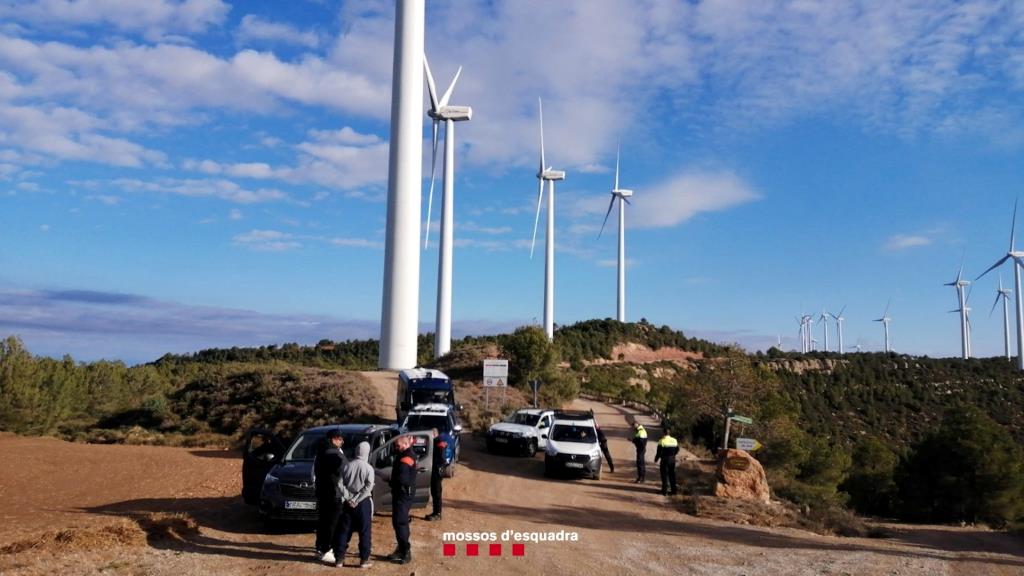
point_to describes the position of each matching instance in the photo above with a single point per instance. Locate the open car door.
(261, 451)
(383, 458)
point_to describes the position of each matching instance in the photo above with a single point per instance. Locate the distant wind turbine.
(885, 319)
(960, 284)
(622, 195)
(824, 327)
(839, 327)
(546, 174)
(1015, 256)
(1004, 295)
(439, 112)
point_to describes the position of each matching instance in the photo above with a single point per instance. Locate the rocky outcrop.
(742, 477)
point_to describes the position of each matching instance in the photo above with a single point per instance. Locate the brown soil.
(634, 353)
(113, 497)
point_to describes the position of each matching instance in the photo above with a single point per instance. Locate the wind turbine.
(622, 195)
(1013, 254)
(959, 283)
(1004, 294)
(856, 347)
(546, 174)
(839, 327)
(439, 112)
(824, 327)
(399, 317)
(885, 323)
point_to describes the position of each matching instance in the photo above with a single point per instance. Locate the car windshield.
(427, 421)
(524, 419)
(574, 433)
(305, 447)
(432, 397)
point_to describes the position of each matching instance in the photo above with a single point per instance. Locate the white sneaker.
(328, 557)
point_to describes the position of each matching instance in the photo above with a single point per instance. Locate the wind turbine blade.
(540, 108)
(606, 214)
(618, 148)
(430, 197)
(969, 290)
(843, 309)
(960, 272)
(1013, 225)
(448, 92)
(431, 89)
(536, 220)
(994, 304)
(626, 200)
(886, 313)
(993, 267)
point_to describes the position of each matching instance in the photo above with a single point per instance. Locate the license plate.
(501, 440)
(573, 465)
(299, 505)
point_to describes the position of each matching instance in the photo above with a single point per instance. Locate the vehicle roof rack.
(574, 414)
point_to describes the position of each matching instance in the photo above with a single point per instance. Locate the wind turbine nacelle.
(550, 174)
(456, 113)
(623, 193)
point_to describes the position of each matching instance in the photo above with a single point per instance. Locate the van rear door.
(261, 451)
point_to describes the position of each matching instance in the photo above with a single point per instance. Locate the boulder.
(742, 477)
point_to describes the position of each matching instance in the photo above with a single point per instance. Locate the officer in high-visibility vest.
(640, 442)
(668, 447)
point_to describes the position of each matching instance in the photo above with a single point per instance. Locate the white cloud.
(235, 214)
(254, 29)
(673, 201)
(152, 18)
(898, 242)
(223, 189)
(356, 243)
(266, 241)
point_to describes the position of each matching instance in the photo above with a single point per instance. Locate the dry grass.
(146, 528)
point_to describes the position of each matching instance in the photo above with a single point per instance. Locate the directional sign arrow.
(748, 444)
(741, 419)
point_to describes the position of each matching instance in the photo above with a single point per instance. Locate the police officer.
(440, 447)
(668, 447)
(602, 441)
(403, 489)
(640, 443)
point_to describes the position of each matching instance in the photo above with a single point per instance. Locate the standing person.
(668, 447)
(327, 468)
(440, 447)
(357, 512)
(603, 442)
(403, 489)
(640, 443)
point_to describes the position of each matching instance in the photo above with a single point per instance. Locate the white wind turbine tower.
(824, 328)
(808, 344)
(399, 317)
(839, 327)
(960, 284)
(1012, 254)
(885, 319)
(1004, 294)
(439, 112)
(622, 195)
(546, 174)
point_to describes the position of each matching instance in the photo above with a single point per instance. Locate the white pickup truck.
(524, 432)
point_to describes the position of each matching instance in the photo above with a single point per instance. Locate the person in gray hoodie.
(357, 512)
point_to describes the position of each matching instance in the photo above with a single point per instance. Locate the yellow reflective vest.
(640, 432)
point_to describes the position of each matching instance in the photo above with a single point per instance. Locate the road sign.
(741, 419)
(748, 444)
(495, 373)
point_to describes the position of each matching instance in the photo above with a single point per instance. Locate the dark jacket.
(403, 475)
(440, 447)
(327, 469)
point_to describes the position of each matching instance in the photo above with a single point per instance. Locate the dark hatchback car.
(280, 480)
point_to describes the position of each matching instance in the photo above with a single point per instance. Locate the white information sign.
(495, 373)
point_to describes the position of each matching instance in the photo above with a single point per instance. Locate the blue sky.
(184, 174)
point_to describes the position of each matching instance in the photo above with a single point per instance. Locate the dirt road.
(622, 528)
